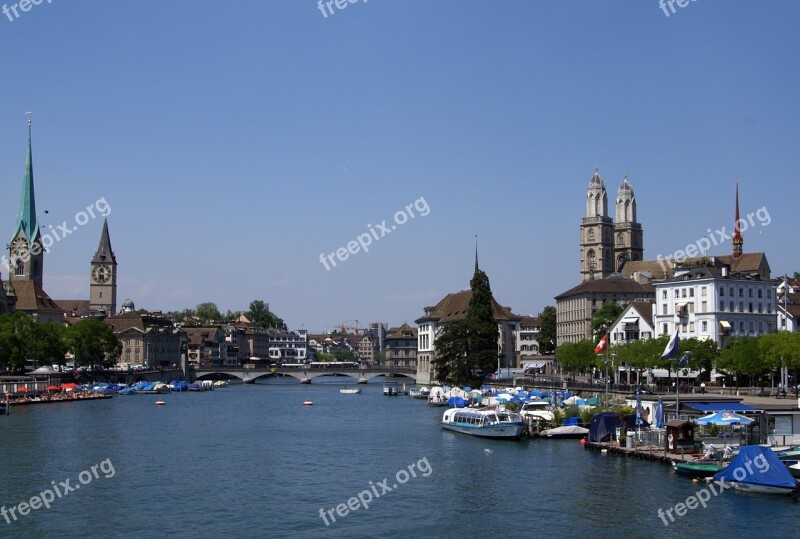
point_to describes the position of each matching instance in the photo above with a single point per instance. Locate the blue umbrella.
(660, 414)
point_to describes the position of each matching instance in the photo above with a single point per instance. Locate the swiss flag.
(602, 345)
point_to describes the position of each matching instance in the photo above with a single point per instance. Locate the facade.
(401, 347)
(607, 245)
(207, 348)
(576, 307)
(26, 257)
(713, 303)
(365, 348)
(788, 305)
(103, 278)
(634, 324)
(288, 346)
(527, 338)
(148, 340)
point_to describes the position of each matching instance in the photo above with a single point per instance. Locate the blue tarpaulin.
(603, 427)
(757, 465)
(719, 406)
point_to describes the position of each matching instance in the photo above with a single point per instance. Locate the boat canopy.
(603, 427)
(757, 465)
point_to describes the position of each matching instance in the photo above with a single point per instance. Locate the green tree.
(467, 349)
(547, 330)
(702, 354)
(576, 357)
(742, 356)
(208, 312)
(50, 346)
(260, 314)
(92, 342)
(17, 340)
(603, 318)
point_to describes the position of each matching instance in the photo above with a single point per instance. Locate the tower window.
(591, 234)
(20, 269)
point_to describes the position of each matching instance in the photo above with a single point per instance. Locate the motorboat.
(484, 422)
(419, 392)
(570, 432)
(160, 403)
(350, 390)
(757, 469)
(307, 403)
(391, 389)
(697, 469)
(538, 411)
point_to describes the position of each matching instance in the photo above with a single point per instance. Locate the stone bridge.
(305, 375)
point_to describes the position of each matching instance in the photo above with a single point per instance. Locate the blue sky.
(237, 141)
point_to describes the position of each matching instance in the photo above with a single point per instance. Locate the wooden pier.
(641, 452)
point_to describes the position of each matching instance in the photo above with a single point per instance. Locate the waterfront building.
(148, 339)
(607, 245)
(365, 347)
(713, 303)
(26, 256)
(454, 307)
(576, 307)
(208, 348)
(288, 346)
(527, 337)
(401, 347)
(634, 324)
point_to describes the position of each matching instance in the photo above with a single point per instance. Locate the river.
(253, 461)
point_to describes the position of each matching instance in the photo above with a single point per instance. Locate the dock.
(641, 452)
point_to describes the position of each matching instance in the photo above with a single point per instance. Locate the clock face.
(101, 274)
(19, 247)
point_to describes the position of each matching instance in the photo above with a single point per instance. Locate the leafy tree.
(547, 330)
(576, 357)
(742, 356)
(17, 339)
(208, 311)
(345, 355)
(260, 314)
(92, 342)
(467, 348)
(50, 346)
(603, 318)
(702, 354)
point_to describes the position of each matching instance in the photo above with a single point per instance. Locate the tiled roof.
(614, 284)
(31, 297)
(454, 307)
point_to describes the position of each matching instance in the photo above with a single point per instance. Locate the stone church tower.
(606, 245)
(103, 278)
(628, 240)
(597, 233)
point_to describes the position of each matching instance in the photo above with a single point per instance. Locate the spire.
(476, 253)
(738, 240)
(104, 252)
(26, 220)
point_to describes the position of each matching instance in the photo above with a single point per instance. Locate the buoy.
(308, 403)
(160, 403)
(583, 441)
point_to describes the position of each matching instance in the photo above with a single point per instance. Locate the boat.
(757, 469)
(537, 411)
(391, 389)
(307, 403)
(350, 390)
(160, 403)
(219, 384)
(484, 422)
(793, 466)
(419, 392)
(698, 468)
(437, 397)
(569, 432)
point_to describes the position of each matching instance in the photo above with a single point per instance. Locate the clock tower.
(103, 277)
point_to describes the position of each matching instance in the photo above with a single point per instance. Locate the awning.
(724, 324)
(681, 306)
(532, 365)
(730, 406)
(631, 320)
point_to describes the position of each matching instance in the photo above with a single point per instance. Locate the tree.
(602, 320)
(208, 312)
(576, 357)
(50, 346)
(701, 355)
(547, 331)
(92, 342)
(467, 348)
(260, 314)
(17, 339)
(742, 356)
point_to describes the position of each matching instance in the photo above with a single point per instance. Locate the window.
(752, 326)
(721, 305)
(741, 306)
(677, 293)
(749, 292)
(730, 306)
(663, 294)
(704, 306)
(741, 292)
(722, 291)
(741, 327)
(769, 293)
(591, 235)
(691, 292)
(664, 309)
(704, 326)
(664, 329)
(750, 307)
(760, 293)
(20, 270)
(683, 293)
(703, 291)
(761, 307)
(691, 327)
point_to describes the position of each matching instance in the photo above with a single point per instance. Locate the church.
(24, 289)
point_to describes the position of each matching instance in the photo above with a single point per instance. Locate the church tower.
(597, 233)
(628, 235)
(738, 239)
(26, 250)
(103, 278)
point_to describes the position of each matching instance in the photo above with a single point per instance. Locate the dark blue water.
(252, 461)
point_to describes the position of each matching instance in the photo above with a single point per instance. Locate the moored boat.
(391, 389)
(757, 469)
(697, 469)
(484, 422)
(568, 432)
(350, 390)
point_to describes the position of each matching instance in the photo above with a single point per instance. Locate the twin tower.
(605, 244)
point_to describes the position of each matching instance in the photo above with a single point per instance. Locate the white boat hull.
(760, 489)
(509, 431)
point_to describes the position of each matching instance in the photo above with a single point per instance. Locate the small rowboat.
(160, 403)
(307, 403)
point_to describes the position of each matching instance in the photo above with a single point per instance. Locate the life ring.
(670, 438)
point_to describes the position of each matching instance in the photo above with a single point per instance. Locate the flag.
(672, 346)
(602, 345)
(684, 360)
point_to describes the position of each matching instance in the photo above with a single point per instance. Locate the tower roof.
(596, 180)
(104, 252)
(26, 219)
(738, 240)
(625, 186)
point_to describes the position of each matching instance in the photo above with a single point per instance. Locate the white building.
(634, 324)
(713, 303)
(788, 305)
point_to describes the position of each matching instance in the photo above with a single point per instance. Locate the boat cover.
(757, 465)
(603, 427)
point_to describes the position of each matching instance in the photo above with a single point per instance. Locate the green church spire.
(26, 220)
